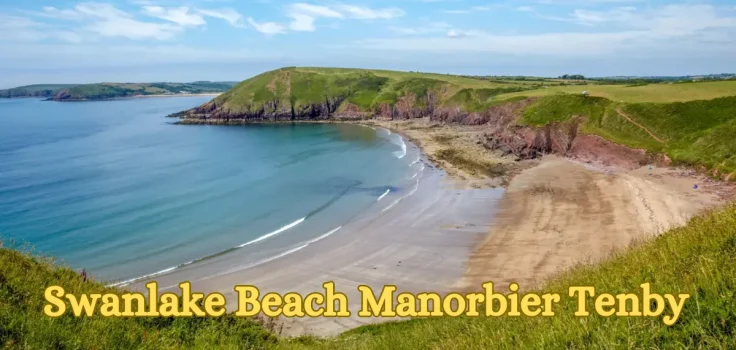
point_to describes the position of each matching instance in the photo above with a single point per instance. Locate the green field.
(660, 92)
(698, 259)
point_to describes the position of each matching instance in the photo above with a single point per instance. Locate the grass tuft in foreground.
(23, 280)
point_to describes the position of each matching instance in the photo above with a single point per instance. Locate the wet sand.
(419, 244)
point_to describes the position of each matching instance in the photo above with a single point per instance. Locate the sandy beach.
(560, 213)
(456, 231)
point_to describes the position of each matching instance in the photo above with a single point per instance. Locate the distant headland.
(107, 91)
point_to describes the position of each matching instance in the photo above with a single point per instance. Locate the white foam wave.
(271, 234)
(416, 161)
(416, 187)
(391, 205)
(402, 153)
(324, 235)
(282, 229)
(260, 262)
(415, 175)
(383, 195)
(127, 282)
(272, 258)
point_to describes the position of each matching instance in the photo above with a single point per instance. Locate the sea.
(121, 191)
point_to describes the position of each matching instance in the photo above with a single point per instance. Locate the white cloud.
(102, 19)
(132, 29)
(268, 28)
(436, 27)
(455, 34)
(53, 12)
(227, 14)
(314, 10)
(525, 8)
(303, 16)
(106, 20)
(100, 10)
(22, 29)
(359, 12)
(692, 28)
(178, 15)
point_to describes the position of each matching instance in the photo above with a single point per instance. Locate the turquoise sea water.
(115, 188)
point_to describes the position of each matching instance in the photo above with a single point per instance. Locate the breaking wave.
(383, 195)
(270, 234)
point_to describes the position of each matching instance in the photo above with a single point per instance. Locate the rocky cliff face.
(504, 134)
(272, 110)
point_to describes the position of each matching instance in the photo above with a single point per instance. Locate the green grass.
(23, 325)
(367, 90)
(694, 132)
(659, 93)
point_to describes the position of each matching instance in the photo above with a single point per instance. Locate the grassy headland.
(39, 90)
(689, 122)
(103, 91)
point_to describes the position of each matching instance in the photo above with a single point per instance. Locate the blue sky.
(149, 40)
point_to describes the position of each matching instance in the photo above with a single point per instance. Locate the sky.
(149, 40)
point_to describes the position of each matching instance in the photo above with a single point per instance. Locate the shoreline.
(552, 214)
(419, 240)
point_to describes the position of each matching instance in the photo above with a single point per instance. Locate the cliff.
(319, 93)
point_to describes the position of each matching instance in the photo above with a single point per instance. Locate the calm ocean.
(115, 188)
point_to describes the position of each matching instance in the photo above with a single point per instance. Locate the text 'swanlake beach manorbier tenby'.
(408, 175)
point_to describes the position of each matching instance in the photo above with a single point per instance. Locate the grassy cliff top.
(368, 90)
(696, 133)
(365, 89)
